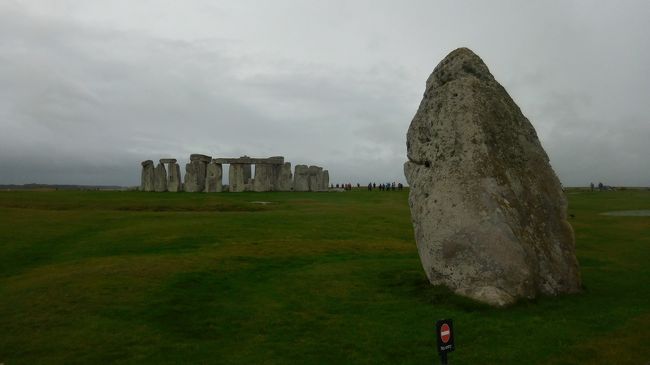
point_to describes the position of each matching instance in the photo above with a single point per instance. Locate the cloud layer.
(89, 90)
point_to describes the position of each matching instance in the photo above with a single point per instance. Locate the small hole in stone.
(427, 164)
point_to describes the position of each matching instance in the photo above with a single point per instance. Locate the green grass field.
(312, 278)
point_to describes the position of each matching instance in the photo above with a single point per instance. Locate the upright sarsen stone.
(236, 178)
(147, 176)
(489, 214)
(284, 178)
(174, 177)
(325, 183)
(315, 178)
(160, 178)
(301, 178)
(213, 179)
(264, 178)
(195, 173)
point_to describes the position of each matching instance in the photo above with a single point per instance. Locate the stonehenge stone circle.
(205, 174)
(147, 177)
(213, 182)
(488, 211)
(160, 178)
(174, 177)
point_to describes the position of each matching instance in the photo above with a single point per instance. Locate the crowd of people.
(601, 187)
(372, 186)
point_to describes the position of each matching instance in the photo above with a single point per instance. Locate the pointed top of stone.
(458, 64)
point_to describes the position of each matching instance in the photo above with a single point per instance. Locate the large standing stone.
(174, 177)
(315, 178)
(284, 178)
(264, 178)
(248, 173)
(301, 178)
(236, 178)
(195, 172)
(160, 178)
(489, 214)
(325, 183)
(213, 183)
(147, 176)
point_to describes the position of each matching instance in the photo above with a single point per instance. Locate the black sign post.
(445, 336)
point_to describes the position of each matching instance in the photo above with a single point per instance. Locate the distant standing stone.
(264, 178)
(213, 180)
(489, 214)
(174, 178)
(236, 178)
(195, 173)
(284, 178)
(160, 178)
(147, 176)
(315, 178)
(301, 178)
(325, 183)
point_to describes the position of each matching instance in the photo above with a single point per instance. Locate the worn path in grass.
(127, 277)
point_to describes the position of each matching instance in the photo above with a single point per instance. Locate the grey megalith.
(147, 176)
(160, 178)
(489, 213)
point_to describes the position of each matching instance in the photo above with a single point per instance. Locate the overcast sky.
(88, 89)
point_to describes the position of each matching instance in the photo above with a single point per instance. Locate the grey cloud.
(88, 92)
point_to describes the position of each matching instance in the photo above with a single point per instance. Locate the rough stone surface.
(489, 213)
(198, 157)
(167, 160)
(147, 176)
(276, 160)
(248, 173)
(236, 178)
(315, 179)
(195, 172)
(264, 178)
(160, 178)
(174, 178)
(284, 178)
(301, 178)
(213, 181)
(325, 183)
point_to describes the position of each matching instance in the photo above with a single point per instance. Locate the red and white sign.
(445, 333)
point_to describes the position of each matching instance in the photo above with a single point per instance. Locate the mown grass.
(312, 278)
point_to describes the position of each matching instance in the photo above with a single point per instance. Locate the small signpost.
(445, 338)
